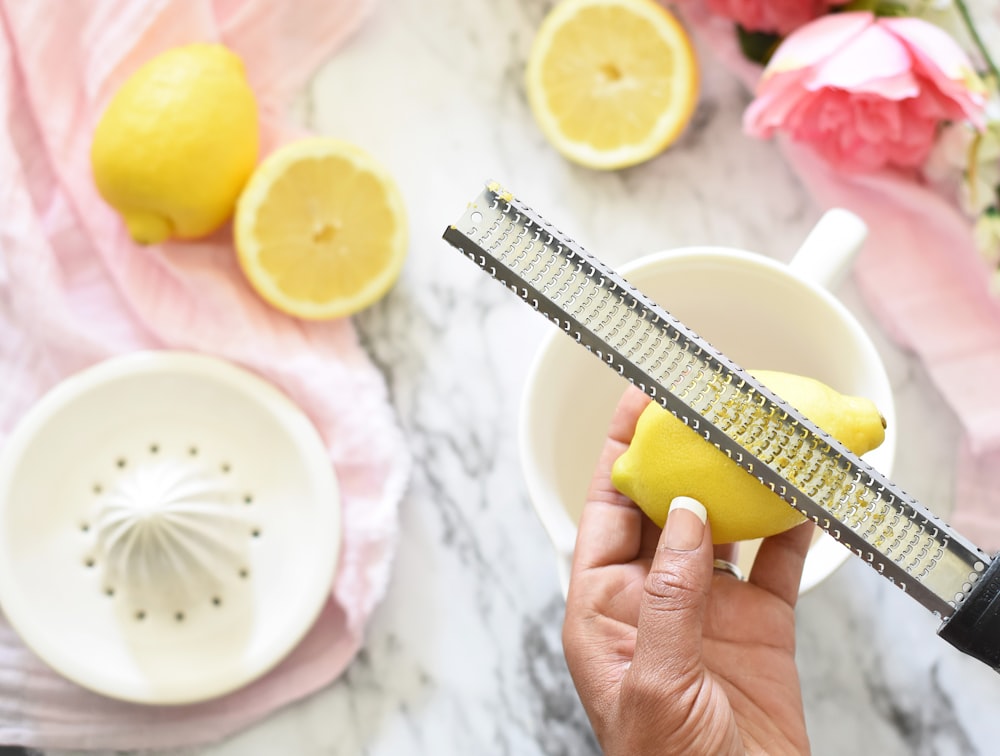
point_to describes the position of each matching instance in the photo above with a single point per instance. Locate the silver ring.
(724, 566)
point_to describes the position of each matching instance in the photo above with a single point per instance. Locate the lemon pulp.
(611, 82)
(320, 229)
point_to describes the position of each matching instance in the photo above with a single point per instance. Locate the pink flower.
(866, 92)
(781, 16)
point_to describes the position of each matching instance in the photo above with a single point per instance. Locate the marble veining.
(464, 654)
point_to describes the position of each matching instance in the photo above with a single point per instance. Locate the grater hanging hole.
(476, 217)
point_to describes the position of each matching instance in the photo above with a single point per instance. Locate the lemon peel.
(667, 459)
(176, 143)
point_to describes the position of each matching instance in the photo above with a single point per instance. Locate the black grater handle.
(974, 628)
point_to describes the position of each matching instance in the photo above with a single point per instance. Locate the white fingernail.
(691, 505)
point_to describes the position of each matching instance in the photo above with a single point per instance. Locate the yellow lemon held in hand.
(176, 144)
(668, 459)
(611, 82)
(321, 229)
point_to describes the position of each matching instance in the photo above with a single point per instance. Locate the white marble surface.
(464, 655)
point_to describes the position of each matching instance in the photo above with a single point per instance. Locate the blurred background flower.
(866, 92)
(778, 16)
(907, 86)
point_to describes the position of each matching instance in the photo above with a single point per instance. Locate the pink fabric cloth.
(923, 278)
(74, 290)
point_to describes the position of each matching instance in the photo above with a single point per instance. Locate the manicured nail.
(685, 524)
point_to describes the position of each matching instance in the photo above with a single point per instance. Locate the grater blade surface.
(813, 472)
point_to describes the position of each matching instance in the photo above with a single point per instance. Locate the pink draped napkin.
(74, 290)
(924, 280)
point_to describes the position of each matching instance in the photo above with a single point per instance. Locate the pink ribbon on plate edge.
(74, 290)
(923, 279)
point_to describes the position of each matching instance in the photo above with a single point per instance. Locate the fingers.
(778, 566)
(730, 552)
(610, 530)
(610, 533)
(668, 642)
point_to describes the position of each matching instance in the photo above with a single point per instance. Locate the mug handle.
(830, 248)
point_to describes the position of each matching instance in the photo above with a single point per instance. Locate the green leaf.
(878, 7)
(757, 46)
(891, 9)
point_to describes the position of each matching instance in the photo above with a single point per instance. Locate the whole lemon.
(177, 142)
(667, 459)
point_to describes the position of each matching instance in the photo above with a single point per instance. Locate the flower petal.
(872, 57)
(939, 59)
(770, 110)
(816, 41)
(930, 45)
(775, 99)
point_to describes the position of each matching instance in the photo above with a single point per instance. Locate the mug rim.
(556, 521)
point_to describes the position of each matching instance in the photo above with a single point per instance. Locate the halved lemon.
(611, 82)
(320, 229)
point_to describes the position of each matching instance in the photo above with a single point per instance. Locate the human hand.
(668, 656)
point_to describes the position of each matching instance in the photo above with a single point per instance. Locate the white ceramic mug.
(761, 313)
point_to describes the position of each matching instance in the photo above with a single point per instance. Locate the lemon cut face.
(611, 82)
(321, 229)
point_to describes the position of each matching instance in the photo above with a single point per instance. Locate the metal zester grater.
(812, 471)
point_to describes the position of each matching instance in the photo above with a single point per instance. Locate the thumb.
(669, 634)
